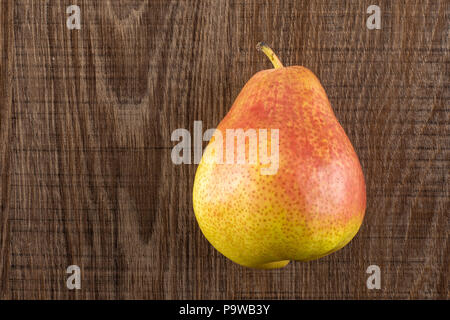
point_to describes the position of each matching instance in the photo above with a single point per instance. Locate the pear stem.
(269, 53)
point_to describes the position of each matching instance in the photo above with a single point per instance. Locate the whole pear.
(312, 206)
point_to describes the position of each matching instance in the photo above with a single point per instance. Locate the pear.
(311, 206)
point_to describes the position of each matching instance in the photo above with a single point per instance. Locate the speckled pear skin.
(315, 203)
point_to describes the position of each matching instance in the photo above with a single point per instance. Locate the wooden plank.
(87, 115)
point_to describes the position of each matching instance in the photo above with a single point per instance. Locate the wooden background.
(85, 124)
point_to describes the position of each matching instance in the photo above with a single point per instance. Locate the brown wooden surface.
(85, 124)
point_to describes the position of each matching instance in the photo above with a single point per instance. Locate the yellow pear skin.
(314, 204)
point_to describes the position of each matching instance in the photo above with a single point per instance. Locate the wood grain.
(86, 118)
